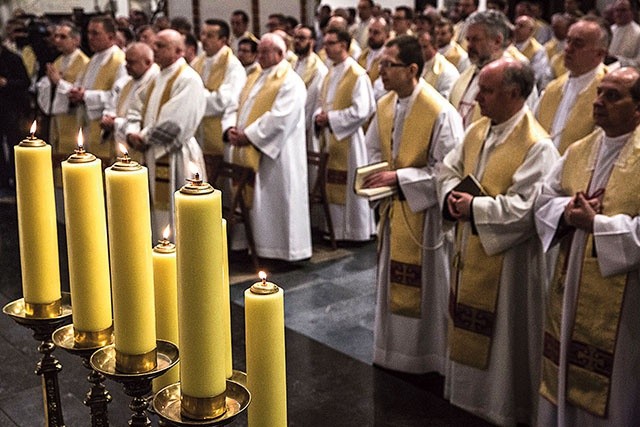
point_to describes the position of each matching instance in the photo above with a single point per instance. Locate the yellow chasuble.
(248, 155)
(476, 275)
(591, 352)
(552, 47)
(339, 149)
(580, 119)
(373, 72)
(406, 228)
(212, 125)
(163, 169)
(64, 127)
(557, 65)
(104, 81)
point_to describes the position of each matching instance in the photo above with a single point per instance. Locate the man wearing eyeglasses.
(401, 21)
(346, 102)
(413, 129)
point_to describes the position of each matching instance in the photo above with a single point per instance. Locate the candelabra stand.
(136, 385)
(167, 404)
(48, 366)
(98, 397)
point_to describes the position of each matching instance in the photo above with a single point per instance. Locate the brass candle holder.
(167, 404)
(48, 367)
(136, 385)
(84, 345)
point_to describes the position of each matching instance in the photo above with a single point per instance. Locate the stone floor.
(329, 303)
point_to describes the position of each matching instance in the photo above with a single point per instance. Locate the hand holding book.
(375, 181)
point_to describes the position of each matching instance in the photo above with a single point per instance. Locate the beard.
(375, 45)
(304, 51)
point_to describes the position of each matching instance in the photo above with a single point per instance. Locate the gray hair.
(494, 22)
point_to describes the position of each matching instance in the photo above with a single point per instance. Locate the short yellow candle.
(227, 302)
(37, 228)
(166, 298)
(129, 219)
(87, 241)
(266, 365)
(200, 290)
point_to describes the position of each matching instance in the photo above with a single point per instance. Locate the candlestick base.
(167, 405)
(48, 366)
(136, 385)
(98, 397)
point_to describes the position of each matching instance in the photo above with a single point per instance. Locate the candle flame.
(263, 276)
(166, 232)
(80, 139)
(123, 149)
(32, 131)
(193, 168)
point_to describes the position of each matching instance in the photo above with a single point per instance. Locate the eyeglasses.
(389, 64)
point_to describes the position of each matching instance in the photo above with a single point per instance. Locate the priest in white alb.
(269, 137)
(590, 207)
(161, 123)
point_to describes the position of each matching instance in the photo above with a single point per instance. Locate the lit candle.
(200, 297)
(87, 246)
(266, 370)
(166, 289)
(227, 302)
(129, 219)
(37, 228)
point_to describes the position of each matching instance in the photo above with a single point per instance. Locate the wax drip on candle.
(263, 287)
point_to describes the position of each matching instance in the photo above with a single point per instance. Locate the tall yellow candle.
(37, 228)
(227, 302)
(166, 298)
(265, 348)
(200, 295)
(129, 219)
(87, 247)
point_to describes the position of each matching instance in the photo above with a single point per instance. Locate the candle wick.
(264, 282)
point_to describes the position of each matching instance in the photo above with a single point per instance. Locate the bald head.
(337, 23)
(139, 57)
(524, 28)
(168, 47)
(504, 86)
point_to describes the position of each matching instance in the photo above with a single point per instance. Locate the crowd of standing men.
(508, 257)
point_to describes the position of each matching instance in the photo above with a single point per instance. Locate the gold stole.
(212, 125)
(590, 355)
(453, 54)
(30, 60)
(163, 167)
(104, 81)
(430, 75)
(339, 149)
(122, 97)
(532, 47)
(64, 127)
(551, 48)
(476, 279)
(580, 119)
(248, 155)
(310, 69)
(557, 65)
(460, 87)
(374, 71)
(406, 227)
